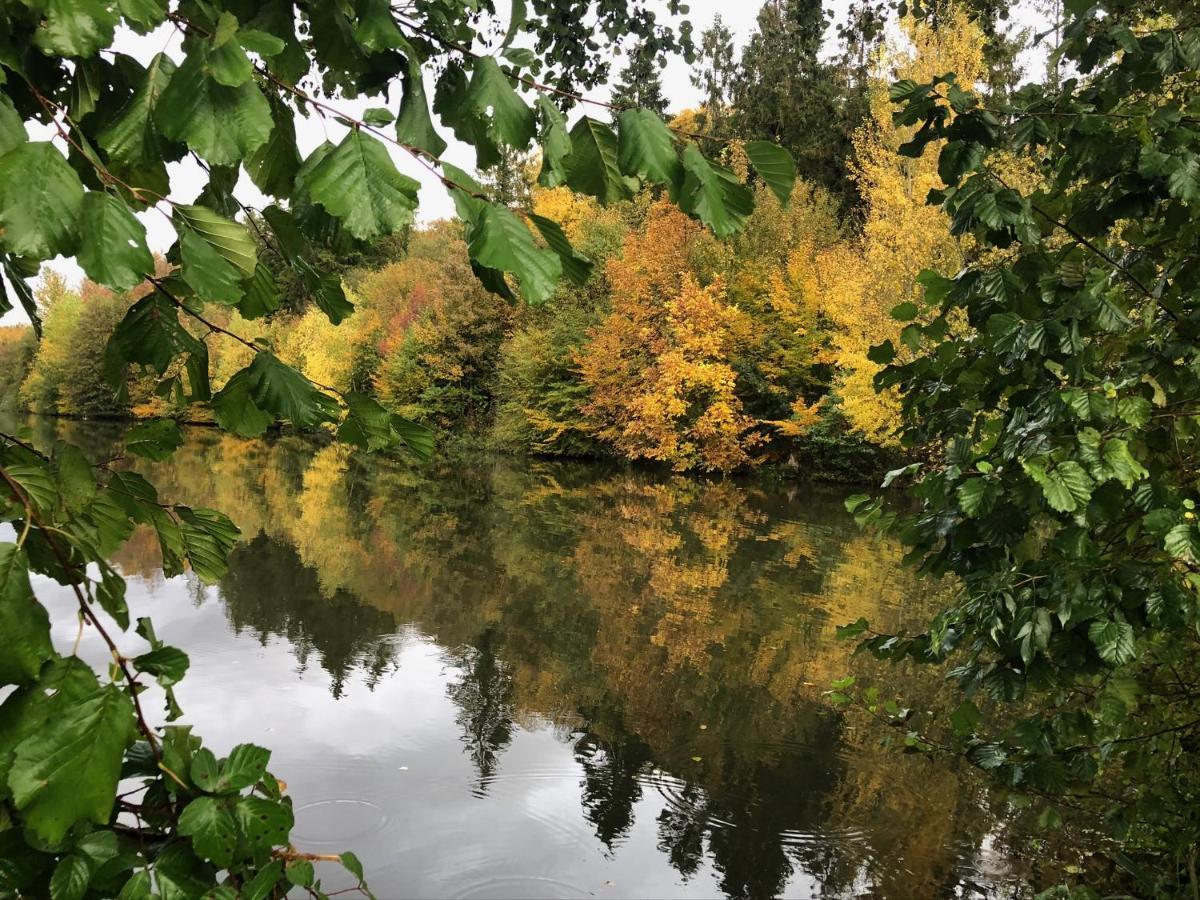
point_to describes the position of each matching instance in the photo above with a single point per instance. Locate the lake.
(509, 678)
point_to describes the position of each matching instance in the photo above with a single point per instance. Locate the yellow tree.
(658, 366)
(860, 281)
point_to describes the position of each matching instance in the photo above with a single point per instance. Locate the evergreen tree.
(714, 74)
(785, 92)
(641, 82)
(510, 181)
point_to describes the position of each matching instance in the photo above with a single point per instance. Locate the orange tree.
(226, 97)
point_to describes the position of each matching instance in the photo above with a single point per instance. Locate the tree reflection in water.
(678, 632)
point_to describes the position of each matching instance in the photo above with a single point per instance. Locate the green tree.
(714, 75)
(69, 735)
(785, 92)
(640, 84)
(1056, 395)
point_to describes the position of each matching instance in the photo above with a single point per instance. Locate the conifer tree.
(641, 82)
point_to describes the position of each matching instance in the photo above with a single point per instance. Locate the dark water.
(510, 679)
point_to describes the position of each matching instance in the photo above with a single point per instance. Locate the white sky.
(187, 179)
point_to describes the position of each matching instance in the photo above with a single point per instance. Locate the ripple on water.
(338, 821)
(533, 794)
(517, 886)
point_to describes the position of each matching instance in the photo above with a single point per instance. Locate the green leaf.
(24, 622)
(1113, 640)
(72, 470)
(273, 166)
(266, 390)
(12, 129)
(998, 209)
(414, 126)
(229, 239)
(556, 144)
(592, 166)
(265, 823)
(775, 166)
(204, 770)
(646, 149)
(180, 874)
(419, 440)
(151, 334)
(167, 664)
(1134, 411)
(208, 536)
(227, 61)
(112, 248)
(325, 290)
(1183, 542)
(377, 29)
(209, 822)
(358, 183)
(132, 136)
(975, 497)
(260, 886)
(207, 272)
(1121, 463)
(245, 766)
(493, 100)
(40, 202)
(882, 354)
(378, 116)
(966, 718)
(154, 440)
(904, 312)
(351, 864)
(71, 878)
(145, 14)
(712, 194)
(1184, 182)
(138, 887)
(74, 27)
(499, 240)
(988, 756)
(68, 771)
(368, 425)
(956, 159)
(300, 872)
(235, 410)
(260, 294)
(222, 124)
(1067, 487)
(577, 268)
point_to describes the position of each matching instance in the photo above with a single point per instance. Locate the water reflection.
(513, 679)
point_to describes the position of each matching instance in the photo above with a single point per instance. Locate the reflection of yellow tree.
(688, 621)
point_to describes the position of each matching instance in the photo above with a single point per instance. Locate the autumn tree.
(658, 366)
(859, 282)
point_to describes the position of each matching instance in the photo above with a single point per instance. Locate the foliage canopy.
(1060, 421)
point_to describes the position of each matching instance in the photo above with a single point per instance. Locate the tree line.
(677, 346)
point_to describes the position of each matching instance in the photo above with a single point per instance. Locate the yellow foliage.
(658, 366)
(859, 282)
(322, 351)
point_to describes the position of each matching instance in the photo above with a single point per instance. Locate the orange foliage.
(658, 366)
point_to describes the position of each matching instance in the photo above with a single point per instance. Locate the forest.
(677, 347)
(944, 250)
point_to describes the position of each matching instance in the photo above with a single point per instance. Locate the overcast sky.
(187, 178)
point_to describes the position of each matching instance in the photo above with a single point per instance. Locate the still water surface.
(524, 679)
